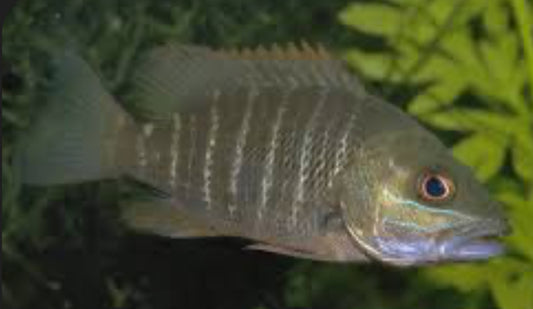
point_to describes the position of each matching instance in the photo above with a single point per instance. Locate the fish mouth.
(476, 240)
(475, 249)
(475, 244)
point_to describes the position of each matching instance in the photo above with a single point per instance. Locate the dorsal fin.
(176, 77)
(170, 77)
(290, 52)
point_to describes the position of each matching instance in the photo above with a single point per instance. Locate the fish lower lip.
(477, 249)
(476, 242)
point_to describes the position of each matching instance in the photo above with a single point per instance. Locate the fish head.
(407, 201)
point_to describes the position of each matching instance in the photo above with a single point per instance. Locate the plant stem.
(521, 12)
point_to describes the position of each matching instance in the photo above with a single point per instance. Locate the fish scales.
(241, 135)
(271, 180)
(231, 142)
(151, 158)
(211, 143)
(296, 183)
(288, 168)
(252, 186)
(306, 154)
(284, 158)
(294, 117)
(252, 172)
(225, 155)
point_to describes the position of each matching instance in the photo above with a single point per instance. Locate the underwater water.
(63, 247)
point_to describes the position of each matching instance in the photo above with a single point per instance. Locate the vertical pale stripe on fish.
(214, 124)
(240, 143)
(148, 129)
(305, 158)
(192, 151)
(140, 146)
(341, 152)
(148, 155)
(270, 158)
(322, 157)
(174, 148)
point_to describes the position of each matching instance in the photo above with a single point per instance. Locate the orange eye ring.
(435, 187)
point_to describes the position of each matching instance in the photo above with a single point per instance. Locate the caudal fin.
(72, 140)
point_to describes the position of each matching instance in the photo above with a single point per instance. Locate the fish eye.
(435, 186)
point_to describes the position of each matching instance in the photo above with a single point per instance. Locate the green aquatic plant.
(471, 63)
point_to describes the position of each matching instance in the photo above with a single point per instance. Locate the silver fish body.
(280, 147)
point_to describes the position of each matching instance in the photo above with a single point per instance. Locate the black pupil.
(435, 187)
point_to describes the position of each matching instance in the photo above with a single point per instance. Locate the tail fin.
(72, 140)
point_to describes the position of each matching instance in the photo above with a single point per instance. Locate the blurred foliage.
(472, 62)
(463, 67)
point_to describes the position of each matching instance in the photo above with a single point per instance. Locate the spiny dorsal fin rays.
(304, 65)
(177, 77)
(291, 52)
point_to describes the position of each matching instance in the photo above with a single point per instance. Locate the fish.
(281, 146)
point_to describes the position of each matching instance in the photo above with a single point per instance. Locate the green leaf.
(512, 284)
(501, 57)
(440, 69)
(372, 65)
(469, 10)
(484, 153)
(425, 104)
(435, 98)
(378, 19)
(521, 215)
(505, 72)
(440, 10)
(496, 18)
(522, 12)
(466, 119)
(466, 278)
(461, 47)
(446, 85)
(522, 152)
